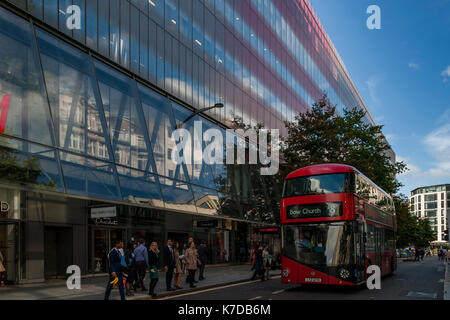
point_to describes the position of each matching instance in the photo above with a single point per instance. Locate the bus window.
(320, 184)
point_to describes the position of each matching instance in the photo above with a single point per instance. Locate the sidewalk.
(93, 288)
(447, 282)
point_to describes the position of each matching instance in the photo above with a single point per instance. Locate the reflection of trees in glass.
(259, 195)
(22, 171)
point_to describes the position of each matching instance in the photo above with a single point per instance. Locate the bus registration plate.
(314, 280)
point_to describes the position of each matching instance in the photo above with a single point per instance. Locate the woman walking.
(267, 259)
(191, 260)
(153, 261)
(131, 267)
(178, 265)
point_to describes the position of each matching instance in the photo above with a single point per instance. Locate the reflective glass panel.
(124, 118)
(89, 177)
(139, 187)
(24, 109)
(158, 115)
(72, 90)
(26, 163)
(177, 195)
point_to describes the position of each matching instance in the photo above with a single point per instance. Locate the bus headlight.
(285, 273)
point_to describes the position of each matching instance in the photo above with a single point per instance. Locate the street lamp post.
(217, 105)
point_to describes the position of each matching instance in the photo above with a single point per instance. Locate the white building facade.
(432, 203)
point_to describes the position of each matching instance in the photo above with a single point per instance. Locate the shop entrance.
(9, 235)
(58, 251)
(101, 241)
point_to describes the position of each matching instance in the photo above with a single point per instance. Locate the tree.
(322, 135)
(411, 230)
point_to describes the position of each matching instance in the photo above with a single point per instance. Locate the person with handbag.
(153, 259)
(2, 271)
(178, 266)
(191, 260)
(115, 270)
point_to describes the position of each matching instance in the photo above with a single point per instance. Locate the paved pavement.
(93, 288)
(412, 281)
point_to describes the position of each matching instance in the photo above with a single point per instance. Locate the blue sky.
(403, 74)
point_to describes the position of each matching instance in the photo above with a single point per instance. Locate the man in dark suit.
(203, 257)
(169, 264)
(115, 266)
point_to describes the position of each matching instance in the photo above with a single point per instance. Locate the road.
(412, 281)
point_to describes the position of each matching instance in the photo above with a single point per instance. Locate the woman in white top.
(267, 259)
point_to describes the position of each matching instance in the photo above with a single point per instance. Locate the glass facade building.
(87, 116)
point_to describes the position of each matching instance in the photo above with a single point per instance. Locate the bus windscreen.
(317, 185)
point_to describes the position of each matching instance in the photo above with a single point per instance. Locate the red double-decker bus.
(335, 223)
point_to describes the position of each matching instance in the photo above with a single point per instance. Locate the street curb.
(191, 290)
(447, 283)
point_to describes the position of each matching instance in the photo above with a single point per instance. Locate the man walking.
(115, 274)
(141, 258)
(169, 264)
(203, 257)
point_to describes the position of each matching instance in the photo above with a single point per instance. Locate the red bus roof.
(318, 169)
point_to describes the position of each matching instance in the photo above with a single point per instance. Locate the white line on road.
(278, 292)
(214, 289)
(256, 298)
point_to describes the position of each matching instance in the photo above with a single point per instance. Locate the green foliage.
(321, 135)
(410, 229)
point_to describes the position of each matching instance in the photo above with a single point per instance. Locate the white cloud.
(413, 65)
(446, 74)
(438, 146)
(372, 84)
(412, 168)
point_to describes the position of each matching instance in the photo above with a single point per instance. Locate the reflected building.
(87, 115)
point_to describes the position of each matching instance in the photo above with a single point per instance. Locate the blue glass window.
(29, 164)
(76, 107)
(177, 195)
(89, 177)
(124, 117)
(159, 118)
(24, 110)
(139, 187)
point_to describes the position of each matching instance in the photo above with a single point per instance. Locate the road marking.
(256, 298)
(416, 294)
(278, 292)
(214, 289)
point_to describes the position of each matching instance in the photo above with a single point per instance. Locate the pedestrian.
(252, 255)
(447, 257)
(444, 254)
(115, 274)
(169, 264)
(417, 254)
(439, 254)
(191, 260)
(203, 257)
(2, 271)
(131, 267)
(178, 266)
(153, 258)
(141, 257)
(422, 253)
(258, 266)
(267, 260)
